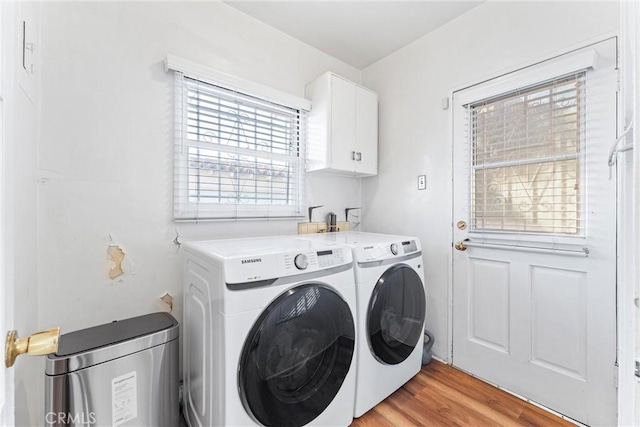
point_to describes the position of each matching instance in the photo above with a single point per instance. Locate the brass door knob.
(460, 246)
(38, 344)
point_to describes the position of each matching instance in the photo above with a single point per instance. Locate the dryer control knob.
(301, 261)
(394, 248)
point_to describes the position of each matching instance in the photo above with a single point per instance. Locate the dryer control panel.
(386, 250)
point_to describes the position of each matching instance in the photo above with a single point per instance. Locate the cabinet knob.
(359, 158)
(353, 155)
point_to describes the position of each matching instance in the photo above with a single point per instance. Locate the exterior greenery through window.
(240, 156)
(527, 153)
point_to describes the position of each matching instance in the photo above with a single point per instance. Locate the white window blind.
(236, 156)
(527, 150)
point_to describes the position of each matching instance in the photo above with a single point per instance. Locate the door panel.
(534, 287)
(489, 303)
(559, 320)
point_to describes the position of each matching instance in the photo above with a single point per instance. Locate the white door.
(6, 386)
(534, 280)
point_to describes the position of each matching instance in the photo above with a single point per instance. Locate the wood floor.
(441, 395)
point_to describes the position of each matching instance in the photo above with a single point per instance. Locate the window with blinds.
(237, 156)
(527, 152)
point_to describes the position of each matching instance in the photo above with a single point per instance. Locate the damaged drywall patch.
(166, 302)
(116, 256)
(177, 241)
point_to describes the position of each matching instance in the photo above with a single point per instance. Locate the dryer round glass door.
(296, 356)
(395, 319)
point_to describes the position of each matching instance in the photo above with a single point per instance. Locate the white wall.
(105, 148)
(106, 145)
(20, 203)
(415, 134)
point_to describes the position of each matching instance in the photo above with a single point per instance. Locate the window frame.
(184, 209)
(530, 76)
(579, 156)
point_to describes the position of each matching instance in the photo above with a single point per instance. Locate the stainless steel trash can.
(121, 373)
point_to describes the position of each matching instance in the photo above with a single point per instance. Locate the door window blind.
(527, 150)
(236, 156)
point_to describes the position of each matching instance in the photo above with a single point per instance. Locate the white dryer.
(268, 333)
(391, 312)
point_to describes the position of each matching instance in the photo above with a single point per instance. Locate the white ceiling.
(356, 32)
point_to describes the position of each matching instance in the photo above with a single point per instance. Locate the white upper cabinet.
(342, 127)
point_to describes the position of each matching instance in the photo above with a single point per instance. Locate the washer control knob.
(301, 261)
(394, 248)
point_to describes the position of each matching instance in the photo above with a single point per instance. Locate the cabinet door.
(343, 128)
(366, 132)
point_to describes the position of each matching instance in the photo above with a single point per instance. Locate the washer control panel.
(284, 264)
(314, 260)
(301, 261)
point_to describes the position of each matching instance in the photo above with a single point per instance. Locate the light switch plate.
(422, 182)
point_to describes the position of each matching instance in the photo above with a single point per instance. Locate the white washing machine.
(391, 311)
(268, 333)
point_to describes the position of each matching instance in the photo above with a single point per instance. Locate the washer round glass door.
(296, 356)
(395, 319)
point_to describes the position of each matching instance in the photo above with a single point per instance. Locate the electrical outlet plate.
(422, 182)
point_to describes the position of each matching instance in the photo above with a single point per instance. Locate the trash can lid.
(99, 344)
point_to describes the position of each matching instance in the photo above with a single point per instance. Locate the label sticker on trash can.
(124, 398)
